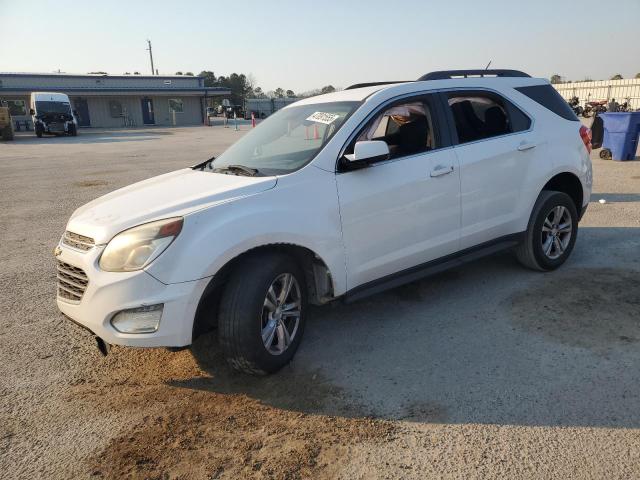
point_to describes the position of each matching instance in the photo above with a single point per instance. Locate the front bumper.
(107, 293)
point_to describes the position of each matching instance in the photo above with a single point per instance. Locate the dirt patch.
(90, 183)
(209, 435)
(594, 308)
(203, 420)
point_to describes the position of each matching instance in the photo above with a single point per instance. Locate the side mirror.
(32, 111)
(367, 152)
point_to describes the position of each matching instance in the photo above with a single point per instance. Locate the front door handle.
(440, 170)
(526, 146)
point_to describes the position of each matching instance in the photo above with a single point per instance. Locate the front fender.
(301, 210)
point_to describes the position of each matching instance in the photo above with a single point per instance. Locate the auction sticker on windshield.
(322, 117)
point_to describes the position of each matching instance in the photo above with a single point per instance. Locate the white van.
(52, 113)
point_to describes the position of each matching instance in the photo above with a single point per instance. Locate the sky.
(306, 44)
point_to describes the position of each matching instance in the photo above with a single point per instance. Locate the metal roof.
(90, 75)
(219, 90)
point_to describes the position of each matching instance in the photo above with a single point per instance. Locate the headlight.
(137, 247)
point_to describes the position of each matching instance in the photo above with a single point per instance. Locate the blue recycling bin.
(621, 131)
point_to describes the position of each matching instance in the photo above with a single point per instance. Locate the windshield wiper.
(203, 165)
(238, 170)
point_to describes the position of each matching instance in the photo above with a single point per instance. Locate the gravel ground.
(487, 370)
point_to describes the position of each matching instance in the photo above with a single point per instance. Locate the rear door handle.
(440, 170)
(526, 146)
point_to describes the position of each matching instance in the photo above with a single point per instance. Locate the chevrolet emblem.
(57, 251)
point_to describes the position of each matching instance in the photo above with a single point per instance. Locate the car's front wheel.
(551, 233)
(261, 318)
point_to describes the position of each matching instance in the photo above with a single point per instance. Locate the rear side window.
(548, 97)
(480, 115)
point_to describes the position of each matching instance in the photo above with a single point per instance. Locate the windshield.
(288, 139)
(43, 107)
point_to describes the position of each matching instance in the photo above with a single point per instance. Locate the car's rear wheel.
(551, 233)
(261, 318)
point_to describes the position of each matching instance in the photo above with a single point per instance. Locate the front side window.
(407, 128)
(288, 139)
(478, 116)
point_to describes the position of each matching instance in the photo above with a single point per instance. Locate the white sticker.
(322, 117)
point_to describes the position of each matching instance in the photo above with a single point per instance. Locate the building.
(115, 100)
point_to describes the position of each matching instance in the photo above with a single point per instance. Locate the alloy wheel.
(556, 232)
(281, 314)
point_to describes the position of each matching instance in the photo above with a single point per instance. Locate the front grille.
(78, 241)
(72, 282)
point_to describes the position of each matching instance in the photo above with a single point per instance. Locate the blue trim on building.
(203, 90)
(78, 75)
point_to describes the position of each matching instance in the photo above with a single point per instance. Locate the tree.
(290, 93)
(258, 93)
(209, 78)
(97, 73)
(238, 85)
(555, 78)
(328, 89)
(278, 92)
(637, 75)
(136, 73)
(617, 76)
(189, 74)
(178, 73)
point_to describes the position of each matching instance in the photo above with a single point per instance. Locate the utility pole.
(151, 57)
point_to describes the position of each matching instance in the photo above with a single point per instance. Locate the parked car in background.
(337, 196)
(52, 114)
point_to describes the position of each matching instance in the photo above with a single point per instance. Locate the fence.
(621, 90)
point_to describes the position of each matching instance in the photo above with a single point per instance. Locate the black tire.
(7, 133)
(242, 309)
(530, 252)
(38, 131)
(605, 154)
(73, 130)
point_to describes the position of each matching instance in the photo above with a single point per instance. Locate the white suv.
(336, 196)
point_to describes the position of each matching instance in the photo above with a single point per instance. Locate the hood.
(170, 195)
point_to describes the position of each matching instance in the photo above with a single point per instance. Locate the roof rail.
(374, 84)
(446, 74)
